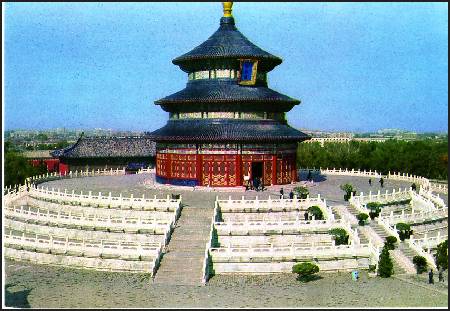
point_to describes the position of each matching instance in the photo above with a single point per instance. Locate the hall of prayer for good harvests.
(226, 126)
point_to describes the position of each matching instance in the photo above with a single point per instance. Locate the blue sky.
(354, 66)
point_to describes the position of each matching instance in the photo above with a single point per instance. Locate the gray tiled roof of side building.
(97, 147)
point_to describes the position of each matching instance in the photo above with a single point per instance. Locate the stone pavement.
(190, 236)
(182, 263)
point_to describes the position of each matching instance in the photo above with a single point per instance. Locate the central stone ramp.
(182, 263)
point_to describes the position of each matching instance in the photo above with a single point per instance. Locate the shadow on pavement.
(17, 299)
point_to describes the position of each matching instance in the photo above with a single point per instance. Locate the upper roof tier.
(226, 43)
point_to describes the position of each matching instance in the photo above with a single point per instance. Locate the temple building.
(226, 125)
(90, 153)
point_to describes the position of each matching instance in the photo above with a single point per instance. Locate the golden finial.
(227, 7)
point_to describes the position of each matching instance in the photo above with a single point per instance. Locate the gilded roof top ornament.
(227, 8)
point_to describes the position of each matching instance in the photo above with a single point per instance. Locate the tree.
(375, 209)
(305, 270)
(442, 255)
(425, 157)
(316, 211)
(17, 169)
(404, 230)
(301, 192)
(362, 217)
(348, 189)
(390, 242)
(421, 264)
(385, 265)
(340, 236)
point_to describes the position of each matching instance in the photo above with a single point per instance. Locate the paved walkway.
(183, 259)
(139, 184)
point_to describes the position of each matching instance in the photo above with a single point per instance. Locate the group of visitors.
(257, 183)
(291, 194)
(381, 182)
(440, 276)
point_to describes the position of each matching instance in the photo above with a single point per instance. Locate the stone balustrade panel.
(81, 262)
(82, 234)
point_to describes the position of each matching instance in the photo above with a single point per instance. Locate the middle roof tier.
(226, 95)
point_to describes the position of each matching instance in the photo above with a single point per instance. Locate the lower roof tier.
(226, 91)
(227, 130)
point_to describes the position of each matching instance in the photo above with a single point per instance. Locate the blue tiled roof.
(225, 91)
(227, 130)
(227, 42)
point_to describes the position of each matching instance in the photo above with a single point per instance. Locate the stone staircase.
(352, 210)
(182, 262)
(401, 256)
(378, 229)
(407, 251)
(336, 212)
(402, 264)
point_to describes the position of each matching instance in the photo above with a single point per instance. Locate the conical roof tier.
(226, 43)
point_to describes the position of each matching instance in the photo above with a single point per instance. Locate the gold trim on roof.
(227, 8)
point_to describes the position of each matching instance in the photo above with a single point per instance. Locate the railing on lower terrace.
(87, 248)
(271, 204)
(415, 217)
(73, 174)
(290, 253)
(101, 200)
(110, 223)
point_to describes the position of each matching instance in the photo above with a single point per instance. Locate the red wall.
(52, 164)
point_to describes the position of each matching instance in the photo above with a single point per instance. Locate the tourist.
(381, 182)
(441, 275)
(256, 183)
(370, 181)
(281, 193)
(262, 184)
(413, 187)
(291, 195)
(430, 277)
(308, 178)
(247, 182)
(306, 215)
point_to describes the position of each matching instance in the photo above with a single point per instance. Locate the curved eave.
(227, 130)
(225, 91)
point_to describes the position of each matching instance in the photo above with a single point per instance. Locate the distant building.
(38, 157)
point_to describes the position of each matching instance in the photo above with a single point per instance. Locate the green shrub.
(390, 242)
(305, 269)
(385, 265)
(375, 209)
(348, 189)
(316, 211)
(372, 268)
(373, 205)
(301, 192)
(340, 236)
(442, 255)
(404, 230)
(215, 238)
(362, 217)
(421, 264)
